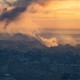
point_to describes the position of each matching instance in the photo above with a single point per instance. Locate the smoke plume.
(12, 10)
(56, 41)
(27, 16)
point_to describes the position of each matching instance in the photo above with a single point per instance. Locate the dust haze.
(28, 16)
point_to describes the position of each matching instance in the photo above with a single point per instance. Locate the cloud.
(56, 41)
(52, 13)
(25, 16)
(17, 7)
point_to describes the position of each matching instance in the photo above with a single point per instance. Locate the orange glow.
(55, 14)
(66, 14)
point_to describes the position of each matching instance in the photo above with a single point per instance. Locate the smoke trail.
(23, 16)
(56, 41)
(47, 42)
(12, 14)
(20, 6)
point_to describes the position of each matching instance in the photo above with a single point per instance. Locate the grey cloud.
(20, 7)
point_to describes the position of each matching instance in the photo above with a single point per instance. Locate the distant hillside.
(17, 36)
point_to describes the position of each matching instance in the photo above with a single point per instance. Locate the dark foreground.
(58, 63)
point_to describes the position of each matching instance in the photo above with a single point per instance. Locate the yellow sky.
(58, 14)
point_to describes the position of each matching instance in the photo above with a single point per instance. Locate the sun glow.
(57, 14)
(64, 6)
(66, 14)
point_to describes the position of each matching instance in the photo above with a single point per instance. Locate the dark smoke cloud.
(11, 15)
(20, 7)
